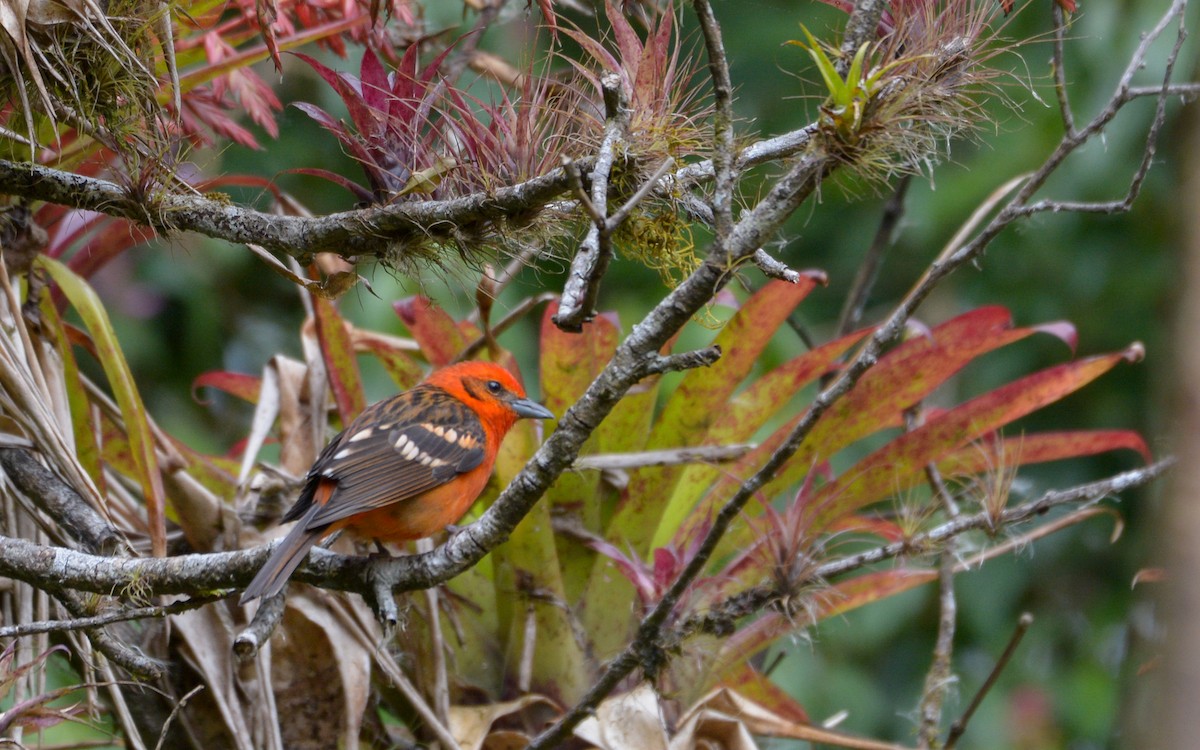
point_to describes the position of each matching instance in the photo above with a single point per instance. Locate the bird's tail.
(286, 557)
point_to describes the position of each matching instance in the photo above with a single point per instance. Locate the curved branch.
(374, 232)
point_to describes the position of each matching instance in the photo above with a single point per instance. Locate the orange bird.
(408, 467)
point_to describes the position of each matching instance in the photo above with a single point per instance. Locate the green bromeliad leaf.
(133, 411)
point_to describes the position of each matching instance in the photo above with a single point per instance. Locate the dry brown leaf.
(205, 641)
(326, 689)
(472, 725)
(29, 400)
(709, 717)
(630, 721)
(713, 729)
(505, 739)
(265, 412)
(301, 434)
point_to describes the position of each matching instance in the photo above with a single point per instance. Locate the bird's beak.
(530, 409)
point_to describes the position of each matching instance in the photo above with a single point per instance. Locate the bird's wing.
(396, 450)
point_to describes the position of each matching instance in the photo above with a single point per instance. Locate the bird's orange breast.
(420, 516)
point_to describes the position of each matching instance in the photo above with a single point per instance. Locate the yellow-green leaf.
(85, 301)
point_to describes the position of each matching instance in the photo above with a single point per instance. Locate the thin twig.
(940, 675)
(667, 457)
(960, 726)
(1058, 63)
(723, 148)
(178, 707)
(441, 681)
(130, 659)
(95, 621)
(1186, 91)
(520, 260)
(868, 269)
(575, 180)
(621, 214)
(1120, 97)
(1084, 493)
(773, 268)
(658, 364)
(391, 670)
(520, 310)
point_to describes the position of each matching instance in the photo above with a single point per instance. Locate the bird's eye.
(494, 386)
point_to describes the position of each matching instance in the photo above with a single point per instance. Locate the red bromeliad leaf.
(746, 413)
(341, 363)
(227, 60)
(32, 713)
(349, 90)
(97, 239)
(887, 530)
(654, 69)
(632, 567)
(360, 193)
(203, 109)
(395, 358)
(904, 376)
(245, 387)
(769, 393)
(628, 42)
(440, 337)
(896, 464)
(912, 371)
(754, 685)
(868, 588)
(1039, 448)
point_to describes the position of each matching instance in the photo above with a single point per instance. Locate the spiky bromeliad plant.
(529, 628)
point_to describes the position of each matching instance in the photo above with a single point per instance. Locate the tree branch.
(81, 521)
(756, 598)
(108, 618)
(591, 261)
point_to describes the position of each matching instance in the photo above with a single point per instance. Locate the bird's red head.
(492, 391)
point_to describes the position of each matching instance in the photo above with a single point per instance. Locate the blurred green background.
(188, 305)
